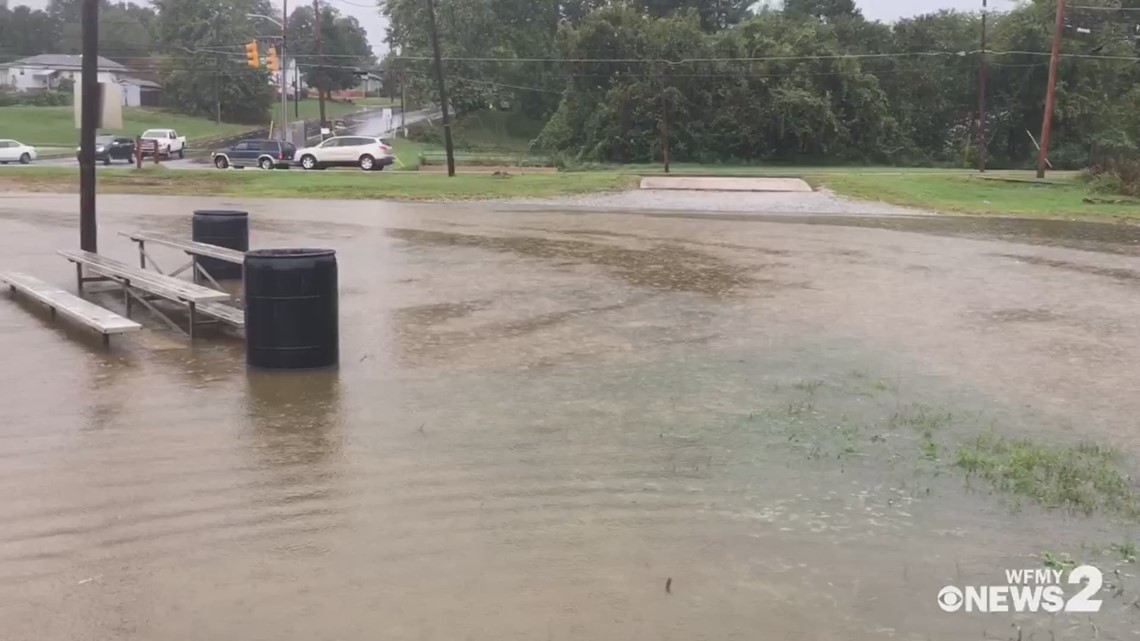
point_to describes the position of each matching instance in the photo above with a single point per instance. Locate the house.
(373, 84)
(293, 79)
(369, 83)
(45, 71)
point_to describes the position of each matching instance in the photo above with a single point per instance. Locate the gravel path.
(818, 202)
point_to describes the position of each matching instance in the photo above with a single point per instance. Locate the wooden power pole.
(89, 122)
(434, 33)
(1050, 91)
(320, 59)
(664, 125)
(982, 97)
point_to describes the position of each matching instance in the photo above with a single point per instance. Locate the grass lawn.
(1002, 193)
(310, 109)
(488, 130)
(377, 101)
(56, 125)
(325, 184)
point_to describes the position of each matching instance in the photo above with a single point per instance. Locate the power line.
(1090, 8)
(357, 4)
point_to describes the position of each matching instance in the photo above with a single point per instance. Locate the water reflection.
(297, 423)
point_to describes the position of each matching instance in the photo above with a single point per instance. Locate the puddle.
(665, 267)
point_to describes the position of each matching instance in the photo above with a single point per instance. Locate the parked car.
(15, 151)
(366, 152)
(267, 154)
(168, 142)
(111, 148)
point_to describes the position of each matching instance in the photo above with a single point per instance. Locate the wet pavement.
(557, 423)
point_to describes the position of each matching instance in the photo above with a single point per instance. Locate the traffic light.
(251, 57)
(271, 60)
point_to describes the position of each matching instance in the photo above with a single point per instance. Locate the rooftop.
(64, 61)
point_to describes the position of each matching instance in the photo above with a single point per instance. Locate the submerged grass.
(1082, 478)
(816, 418)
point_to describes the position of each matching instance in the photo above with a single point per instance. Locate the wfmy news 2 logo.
(1036, 590)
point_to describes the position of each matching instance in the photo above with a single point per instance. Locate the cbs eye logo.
(950, 599)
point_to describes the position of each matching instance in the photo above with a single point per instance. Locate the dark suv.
(111, 148)
(267, 154)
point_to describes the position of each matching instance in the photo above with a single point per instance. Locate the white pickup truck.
(168, 142)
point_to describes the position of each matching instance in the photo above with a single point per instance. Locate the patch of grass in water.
(1060, 562)
(810, 385)
(921, 417)
(1083, 478)
(929, 449)
(1126, 550)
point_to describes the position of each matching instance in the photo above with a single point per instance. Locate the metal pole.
(982, 97)
(434, 33)
(296, 91)
(89, 122)
(1047, 120)
(320, 59)
(284, 72)
(403, 109)
(664, 125)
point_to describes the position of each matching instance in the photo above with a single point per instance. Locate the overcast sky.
(876, 9)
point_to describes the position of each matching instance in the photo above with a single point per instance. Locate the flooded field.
(583, 425)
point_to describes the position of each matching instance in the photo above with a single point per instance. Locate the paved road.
(375, 126)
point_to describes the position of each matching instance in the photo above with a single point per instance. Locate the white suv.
(366, 152)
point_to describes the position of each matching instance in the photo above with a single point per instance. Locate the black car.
(267, 154)
(111, 148)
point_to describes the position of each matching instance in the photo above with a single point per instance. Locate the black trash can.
(224, 228)
(291, 309)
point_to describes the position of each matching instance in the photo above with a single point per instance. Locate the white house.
(46, 70)
(293, 79)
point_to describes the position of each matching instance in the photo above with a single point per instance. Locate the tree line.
(810, 81)
(195, 48)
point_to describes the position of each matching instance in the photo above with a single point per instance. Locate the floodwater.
(569, 425)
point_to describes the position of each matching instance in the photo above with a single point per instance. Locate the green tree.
(822, 9)
(714, 14)
(496, 49)
(345, 44)
(24, 32)
(126, 30)
(206, 74)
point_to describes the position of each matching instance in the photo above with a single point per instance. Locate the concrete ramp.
(711, 183)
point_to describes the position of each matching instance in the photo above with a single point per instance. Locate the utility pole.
(982, 97)
(284, 73)
(320, 59)
(296, 90)
(434, 33)
(217, 92)
(664, 124)
(403, 108)
(1047, 120)
(89, 121)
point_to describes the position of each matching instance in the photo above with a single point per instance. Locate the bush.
(46, 98)
(1115, 168)
(51, 98)
(8, 97)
